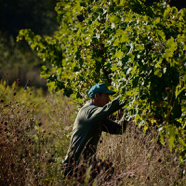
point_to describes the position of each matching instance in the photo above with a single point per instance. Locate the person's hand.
(122, 103)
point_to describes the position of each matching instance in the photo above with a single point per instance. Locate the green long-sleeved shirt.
(88, 126)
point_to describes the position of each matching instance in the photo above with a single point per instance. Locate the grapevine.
(138, 50)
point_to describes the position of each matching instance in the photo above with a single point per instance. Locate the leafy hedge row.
(139, 50)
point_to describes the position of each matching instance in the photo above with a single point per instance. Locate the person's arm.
(112, 127)
(108, 109)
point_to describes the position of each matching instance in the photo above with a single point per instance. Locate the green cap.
(99, 88)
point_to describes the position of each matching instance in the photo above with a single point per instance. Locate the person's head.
(99, 94)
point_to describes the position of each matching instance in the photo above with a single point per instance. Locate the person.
(92, 119)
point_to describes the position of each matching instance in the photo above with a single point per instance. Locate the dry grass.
(139, 159)
(35, 134)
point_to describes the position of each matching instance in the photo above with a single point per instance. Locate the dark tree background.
(177, 3)
(39, 16)
(17, 61)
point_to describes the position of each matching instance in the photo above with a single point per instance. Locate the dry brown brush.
(139, 159)
(34, 137)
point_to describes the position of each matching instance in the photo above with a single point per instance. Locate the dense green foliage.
(139, 50)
